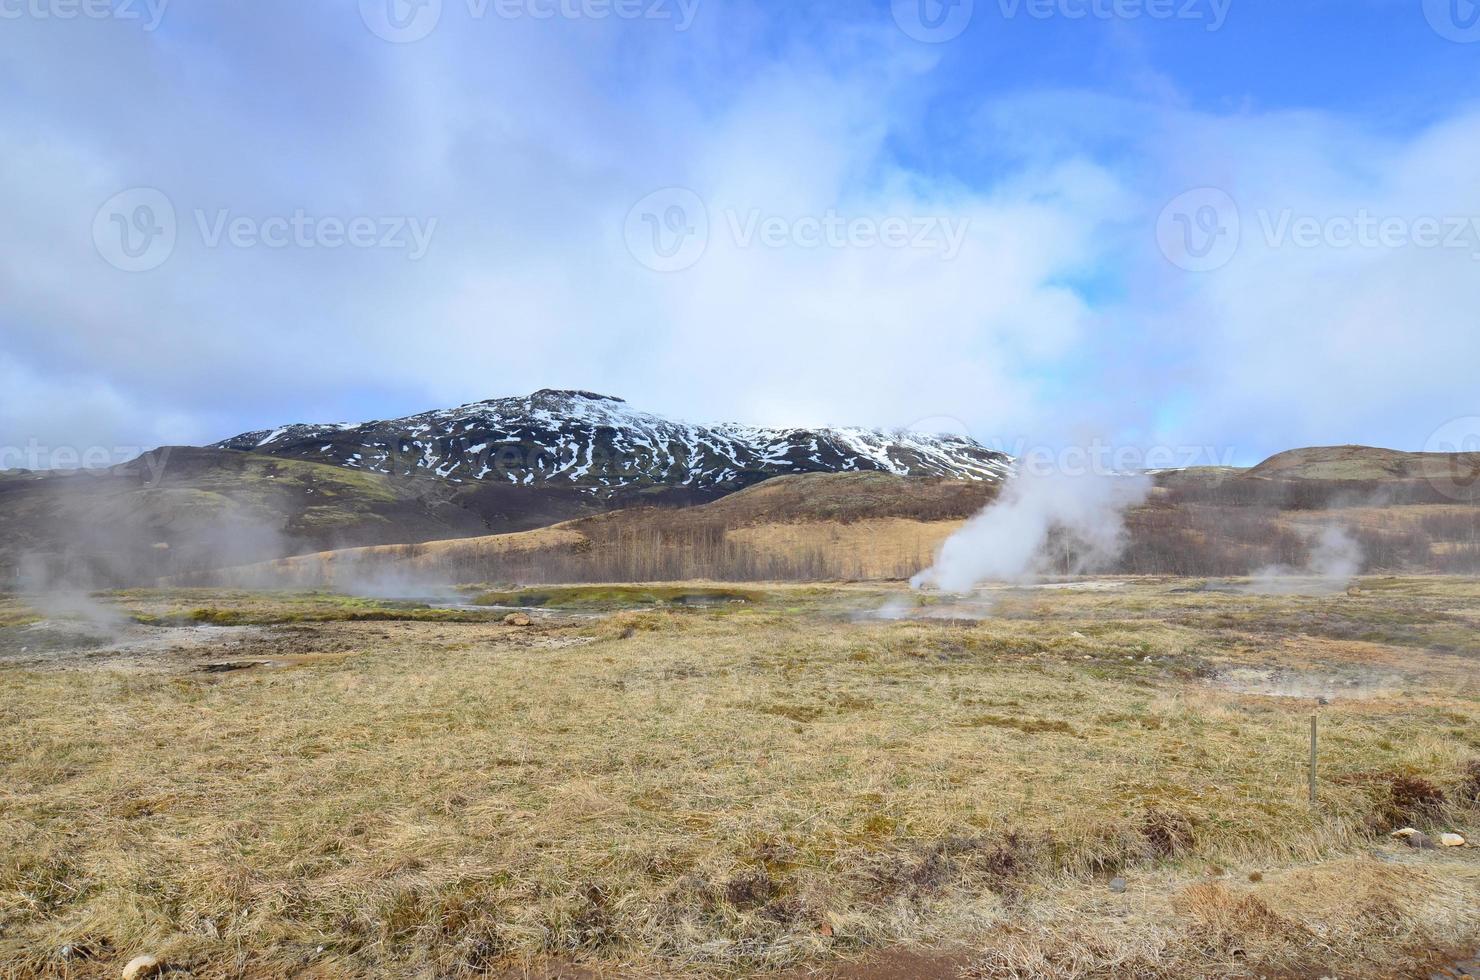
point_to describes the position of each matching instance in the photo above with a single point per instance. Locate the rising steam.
(1040, 524)
(1334, 559)
(65, 599)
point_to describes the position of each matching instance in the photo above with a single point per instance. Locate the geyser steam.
(1040, 520)
(1334, 559)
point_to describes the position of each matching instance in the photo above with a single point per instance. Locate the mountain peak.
(597, 447)
(570, 394)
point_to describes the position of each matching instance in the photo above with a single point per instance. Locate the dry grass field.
(788, 779)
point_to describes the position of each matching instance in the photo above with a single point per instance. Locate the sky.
(1220, 228)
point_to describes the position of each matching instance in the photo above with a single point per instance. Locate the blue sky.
(1231, 225)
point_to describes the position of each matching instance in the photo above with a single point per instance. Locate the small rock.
(1451, 840)
(1413, 838)
(140, 967)
(517, 619)
(1117, 886)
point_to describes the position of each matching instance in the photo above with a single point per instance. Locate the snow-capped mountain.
(599, 446)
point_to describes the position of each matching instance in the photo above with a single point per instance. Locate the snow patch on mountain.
(599, 445)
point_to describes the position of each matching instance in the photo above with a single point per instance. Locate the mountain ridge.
(602, 448)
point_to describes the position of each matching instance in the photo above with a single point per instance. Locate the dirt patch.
(617, 597)
(1469, 788)
(276, 663)
(1279, 682)
(1413, 799)
(1028, 726)
(1167, 834)
(750, 890)
(65, 646)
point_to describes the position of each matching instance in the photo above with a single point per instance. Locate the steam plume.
(1335, 558)
(1040, 522)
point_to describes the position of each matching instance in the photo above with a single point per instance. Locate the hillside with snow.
(601, 448)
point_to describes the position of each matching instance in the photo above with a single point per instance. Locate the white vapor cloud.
(1039, 518)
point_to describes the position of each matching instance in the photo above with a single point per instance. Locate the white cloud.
(529, 143)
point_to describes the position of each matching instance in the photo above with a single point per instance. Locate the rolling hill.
(1214, 522)
(570, 485)
(181, 509)
(499, 466)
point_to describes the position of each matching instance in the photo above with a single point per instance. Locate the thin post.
(1314, 721)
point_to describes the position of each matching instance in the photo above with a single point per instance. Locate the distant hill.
(1364, 463)
(650, 499)
(1209, 521)
(180, 509)
(505, 465)
(818, 525)
(600, 448)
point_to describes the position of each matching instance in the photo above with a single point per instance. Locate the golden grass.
(883, 548)
(723, 792)
(408, 561)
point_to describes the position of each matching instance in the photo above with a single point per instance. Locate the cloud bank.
(1044, 296)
